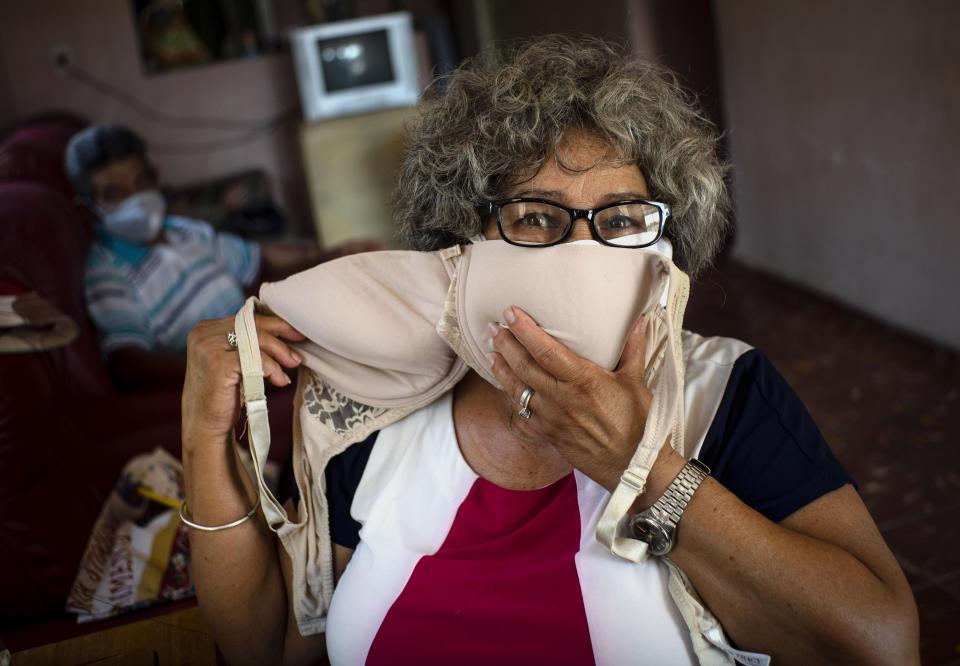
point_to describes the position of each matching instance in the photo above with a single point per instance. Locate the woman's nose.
(581, 231)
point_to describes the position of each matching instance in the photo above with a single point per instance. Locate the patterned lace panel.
(336, 410)
(448, 327)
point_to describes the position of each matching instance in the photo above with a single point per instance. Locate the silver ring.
(232, 339)
(525, 396)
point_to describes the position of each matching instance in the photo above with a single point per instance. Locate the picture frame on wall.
(178, 34)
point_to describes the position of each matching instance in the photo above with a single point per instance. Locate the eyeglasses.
(539, 223)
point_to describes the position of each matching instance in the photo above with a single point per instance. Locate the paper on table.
(30, 323)
(8, 317)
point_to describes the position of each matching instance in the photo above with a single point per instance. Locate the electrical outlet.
(62, 57)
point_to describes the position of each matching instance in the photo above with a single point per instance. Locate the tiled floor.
(888, 403)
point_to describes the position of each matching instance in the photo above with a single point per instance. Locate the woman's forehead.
(579, 150)
(582, 171)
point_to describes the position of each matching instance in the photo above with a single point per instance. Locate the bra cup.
(370, 321)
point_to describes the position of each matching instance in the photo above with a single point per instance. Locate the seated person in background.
(150, 277)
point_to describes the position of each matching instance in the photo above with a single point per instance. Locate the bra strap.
(255, 400)
(664, 421)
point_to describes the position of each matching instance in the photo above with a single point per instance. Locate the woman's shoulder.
(753, 430)
(720, 369)
(727, 369)
(716, 350)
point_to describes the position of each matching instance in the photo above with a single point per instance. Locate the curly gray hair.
(495, 119)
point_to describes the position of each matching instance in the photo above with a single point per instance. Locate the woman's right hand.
(210, 405)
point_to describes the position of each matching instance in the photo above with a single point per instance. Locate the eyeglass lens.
(533, 223)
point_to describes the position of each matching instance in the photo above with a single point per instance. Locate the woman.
(463, 533)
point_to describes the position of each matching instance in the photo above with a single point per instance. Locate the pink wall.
(7, 113)
(842, 120)
(100, 35)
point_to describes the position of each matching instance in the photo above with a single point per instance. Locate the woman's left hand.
(594, 417)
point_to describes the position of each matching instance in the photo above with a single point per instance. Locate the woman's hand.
(594, 417)
(211, 391)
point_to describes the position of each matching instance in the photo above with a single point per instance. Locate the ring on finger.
(525, 396)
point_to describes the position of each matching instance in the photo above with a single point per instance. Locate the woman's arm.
(237, 572)
(819, 587)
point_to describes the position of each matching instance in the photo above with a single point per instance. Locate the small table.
(165, 640)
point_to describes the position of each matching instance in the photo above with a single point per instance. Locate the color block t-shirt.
(449, 568)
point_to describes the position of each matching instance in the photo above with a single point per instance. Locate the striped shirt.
(150, 296)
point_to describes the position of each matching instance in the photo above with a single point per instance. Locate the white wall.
(100, 34)
(843, 126)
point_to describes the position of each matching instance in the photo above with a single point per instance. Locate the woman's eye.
(621, 222)
(540, 220)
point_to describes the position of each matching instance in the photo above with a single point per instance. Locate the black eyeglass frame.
(589, 214)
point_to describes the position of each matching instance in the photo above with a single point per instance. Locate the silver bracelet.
(215, 528)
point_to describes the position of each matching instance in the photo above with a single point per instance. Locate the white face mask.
(585, 294)
(138, 218)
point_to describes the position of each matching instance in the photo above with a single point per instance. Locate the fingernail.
(289, 381)
(491, 359)
(509, 316)
(297, 357)
(493, 329)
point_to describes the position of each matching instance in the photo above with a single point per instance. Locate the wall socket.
(62, 57)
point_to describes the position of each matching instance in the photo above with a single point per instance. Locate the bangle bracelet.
(214, 528)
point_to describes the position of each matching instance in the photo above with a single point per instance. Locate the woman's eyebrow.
(558, 196)
(540, 194)
(622, 196)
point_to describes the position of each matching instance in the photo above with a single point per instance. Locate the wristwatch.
(657, 525)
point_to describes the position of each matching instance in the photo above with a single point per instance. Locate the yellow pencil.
(157, 497)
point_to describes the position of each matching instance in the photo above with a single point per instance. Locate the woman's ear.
(488, 226)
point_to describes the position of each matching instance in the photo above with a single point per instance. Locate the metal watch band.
(670, 506)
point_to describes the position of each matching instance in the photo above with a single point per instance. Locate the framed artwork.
(174, 34)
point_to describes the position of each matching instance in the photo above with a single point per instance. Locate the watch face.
(654, 534)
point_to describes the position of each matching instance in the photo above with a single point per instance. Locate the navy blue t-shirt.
(762, 445)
